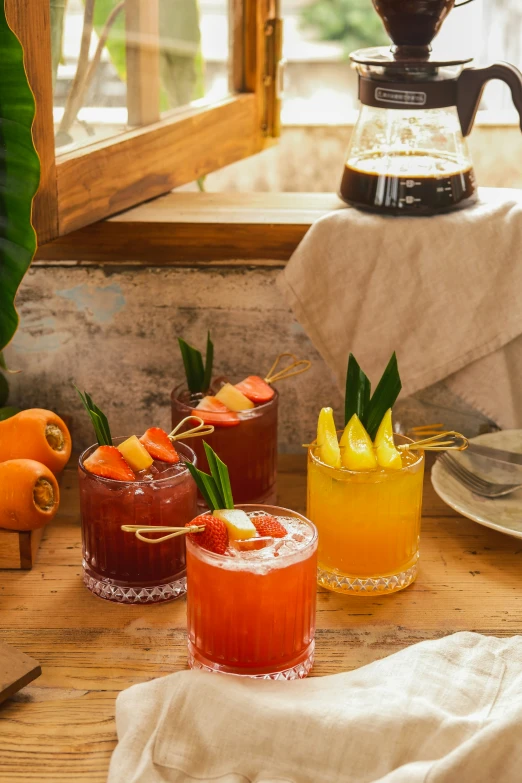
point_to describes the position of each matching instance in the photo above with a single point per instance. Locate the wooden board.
(18, 549)
(470, 578)
(16, 670)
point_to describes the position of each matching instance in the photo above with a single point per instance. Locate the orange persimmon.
(29, 494)
(36, 434)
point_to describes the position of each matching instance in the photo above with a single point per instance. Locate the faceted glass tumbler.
(254, 617)
(116, 565)
(368, 524)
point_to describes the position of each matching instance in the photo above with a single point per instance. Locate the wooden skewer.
(286, 372)
(195, 432)
(173, 532)
(457, 442)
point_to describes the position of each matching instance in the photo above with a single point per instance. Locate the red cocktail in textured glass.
(118, 566)
(245, 440)
(251, 611)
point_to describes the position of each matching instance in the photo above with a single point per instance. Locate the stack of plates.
(504, 513)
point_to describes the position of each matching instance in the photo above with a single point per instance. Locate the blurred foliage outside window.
(354, 23)
(102, 26)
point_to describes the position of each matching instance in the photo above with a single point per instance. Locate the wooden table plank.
(62, 727)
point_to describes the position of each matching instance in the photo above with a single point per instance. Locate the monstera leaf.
(19, 178)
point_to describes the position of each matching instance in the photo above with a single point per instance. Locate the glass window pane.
(119, 64)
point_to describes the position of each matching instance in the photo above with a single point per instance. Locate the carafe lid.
(404, 56)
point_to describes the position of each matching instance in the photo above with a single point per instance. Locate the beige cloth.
(445, 292)
(446, 711)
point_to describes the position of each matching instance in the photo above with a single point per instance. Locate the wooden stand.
(18, 548)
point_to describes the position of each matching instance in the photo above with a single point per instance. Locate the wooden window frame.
(109, 176)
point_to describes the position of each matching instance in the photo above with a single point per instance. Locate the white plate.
(504, 513)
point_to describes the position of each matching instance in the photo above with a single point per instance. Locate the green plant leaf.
(219, 472)
(358, 389)
(19, 177)
(193, 363)
(7, 412)
(209, 363)
(98, 419)
(207, 486)
(384, 397)
(4, 390)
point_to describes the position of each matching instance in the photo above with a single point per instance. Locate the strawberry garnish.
(108, 462)
(159, 445)
(269, 526)
(213, 411)
(256, 389)
(214, 537)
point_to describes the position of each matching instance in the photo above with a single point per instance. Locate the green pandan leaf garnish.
(358, 389)
(199, 375)
(98, 418)
(215, 488)
(371, 409)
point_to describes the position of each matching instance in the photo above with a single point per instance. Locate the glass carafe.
(408, 153)
(414, 159)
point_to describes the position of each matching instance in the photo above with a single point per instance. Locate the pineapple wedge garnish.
(238, 524)
(135, 454)
(327, 444)
(233, 398)
(387, 455)
(357, 452)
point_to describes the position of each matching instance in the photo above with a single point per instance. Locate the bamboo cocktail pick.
(173, 532)
(138, 530)
(436, 442)
(297, 367)
(194, 432)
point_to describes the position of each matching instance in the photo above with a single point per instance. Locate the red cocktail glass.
(118, 566)
(253, 612)
(249, 448)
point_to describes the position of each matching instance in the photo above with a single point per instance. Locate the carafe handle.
(470, 86)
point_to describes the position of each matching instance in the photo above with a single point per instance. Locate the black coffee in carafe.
(425, 194)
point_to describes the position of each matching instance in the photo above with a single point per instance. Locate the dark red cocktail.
(248, 447)
(116, 565)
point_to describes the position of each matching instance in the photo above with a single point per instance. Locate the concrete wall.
(114, 334)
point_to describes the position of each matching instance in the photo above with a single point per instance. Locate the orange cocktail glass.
(368, 523)
(253, 613)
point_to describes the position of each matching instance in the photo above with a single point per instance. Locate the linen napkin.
(436, 712)
(445, 292)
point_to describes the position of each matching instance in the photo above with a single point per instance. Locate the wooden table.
(61, 728)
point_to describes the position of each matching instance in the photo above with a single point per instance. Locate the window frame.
(104, 178)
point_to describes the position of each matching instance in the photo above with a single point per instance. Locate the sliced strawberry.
(108, 462)
(213, 411)
(256, 389)
(159, 445)
(214, 537)
(269, 526)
